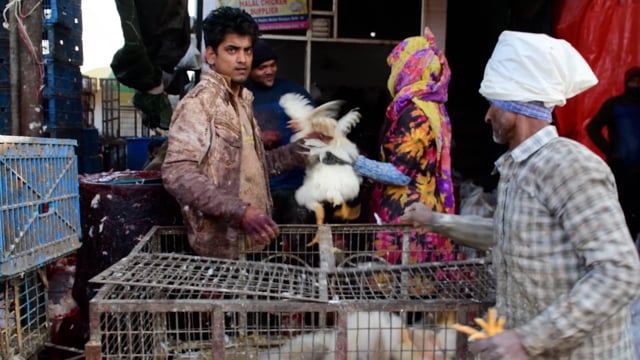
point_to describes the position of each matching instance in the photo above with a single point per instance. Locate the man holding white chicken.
(216, 165)
(565, 264)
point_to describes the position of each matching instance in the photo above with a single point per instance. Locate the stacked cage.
(340, 299)
(64, 110)
(125, 136)
(39, 222)
(115, 146)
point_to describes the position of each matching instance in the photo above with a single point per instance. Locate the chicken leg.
(319, 211)
(348, 213)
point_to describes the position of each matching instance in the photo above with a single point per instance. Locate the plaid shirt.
(566, 266)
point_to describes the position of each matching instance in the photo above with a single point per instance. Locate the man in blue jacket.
(267, 89)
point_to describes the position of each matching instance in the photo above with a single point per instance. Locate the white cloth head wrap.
(535, 67)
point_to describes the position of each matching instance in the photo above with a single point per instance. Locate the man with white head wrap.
(566, 266)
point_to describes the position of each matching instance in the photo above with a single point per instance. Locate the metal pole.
(198, 30)
(14, 71)
(31, 71)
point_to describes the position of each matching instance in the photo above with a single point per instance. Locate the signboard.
(274, 14)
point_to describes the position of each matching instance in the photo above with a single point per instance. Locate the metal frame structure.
(162, 301)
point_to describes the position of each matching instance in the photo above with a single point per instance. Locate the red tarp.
(607, 34)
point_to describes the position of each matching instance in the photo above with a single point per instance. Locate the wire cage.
(162, 301)
(39, 201)
(119, 120)
(24, 326)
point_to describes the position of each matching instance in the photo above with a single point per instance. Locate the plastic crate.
(67, 13)
(62, 44)
(89, 164)
(62, 79)
(4, 33)
(88, 140)
(5, 79)
(39, 202)
(60, 112)
(5, 111)
(24, 327)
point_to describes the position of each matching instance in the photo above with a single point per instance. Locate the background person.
(565, 265)
(153, 148)
(267, 88)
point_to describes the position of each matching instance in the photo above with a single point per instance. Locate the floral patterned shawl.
(416, 139)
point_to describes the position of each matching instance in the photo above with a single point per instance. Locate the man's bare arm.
(467, 230)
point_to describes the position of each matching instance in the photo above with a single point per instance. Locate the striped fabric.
(534, 109)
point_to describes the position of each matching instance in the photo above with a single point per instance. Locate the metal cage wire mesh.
(359, 274)
(24, 325)
(39, 201)
(162, 301)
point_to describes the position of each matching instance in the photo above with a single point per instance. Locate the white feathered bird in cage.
(329, 177)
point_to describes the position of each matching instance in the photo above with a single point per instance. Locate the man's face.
(265, 73)
(154, 152)
(503, 124)
(634, 82)
(232, 58)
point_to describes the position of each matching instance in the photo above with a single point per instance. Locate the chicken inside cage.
(366, 335)
(360, 335)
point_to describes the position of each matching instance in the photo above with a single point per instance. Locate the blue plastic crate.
(4, 63)
(89, 164)
(62, 79)
(67, 13)
(62, 44)
(60, 112)
(88, 140)
(5, 111)
(4, 33)
(39, 202)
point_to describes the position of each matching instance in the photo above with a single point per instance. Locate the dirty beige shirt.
(252, 177)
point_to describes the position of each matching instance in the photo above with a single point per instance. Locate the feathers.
(348, 121)
(329, 176)
(328, 183)
(307, 119)
(370, 335)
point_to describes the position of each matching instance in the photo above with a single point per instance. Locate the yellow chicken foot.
(348, 213)
(319, 210)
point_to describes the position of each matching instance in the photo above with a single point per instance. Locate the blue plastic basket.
(62, 44)
(61, 79)
(89, 164)
(4, 63)
(5, 111)
(4, 33)
(67, 13)
(88, 140)
(39, 202)
(62, 112)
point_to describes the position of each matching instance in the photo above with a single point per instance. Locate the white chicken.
(329, 176)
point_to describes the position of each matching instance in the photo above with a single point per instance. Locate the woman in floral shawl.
(416, 139)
